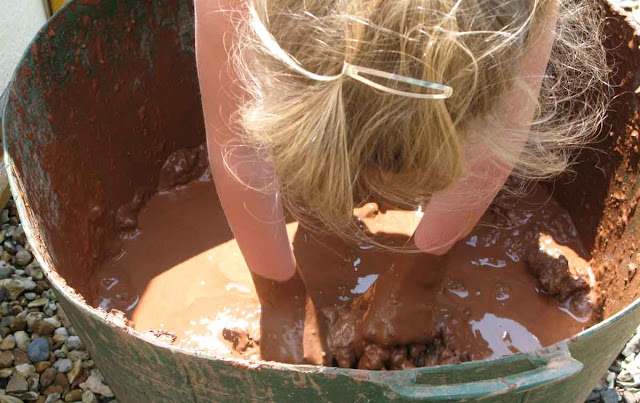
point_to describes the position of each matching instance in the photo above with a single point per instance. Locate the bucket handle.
(485, 379)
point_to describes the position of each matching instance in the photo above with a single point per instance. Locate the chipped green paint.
(142, 370)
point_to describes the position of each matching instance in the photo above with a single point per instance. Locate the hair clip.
(348, 70)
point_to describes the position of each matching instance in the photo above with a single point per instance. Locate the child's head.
(334, 144)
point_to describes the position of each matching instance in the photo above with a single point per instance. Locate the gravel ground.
(41, 358)
(622, 381)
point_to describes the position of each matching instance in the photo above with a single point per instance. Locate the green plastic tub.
(108, 89)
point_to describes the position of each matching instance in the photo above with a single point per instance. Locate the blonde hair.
(336, 144)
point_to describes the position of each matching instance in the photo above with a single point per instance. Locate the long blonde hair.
(336, 144)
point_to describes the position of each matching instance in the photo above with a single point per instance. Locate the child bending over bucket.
(315, 106)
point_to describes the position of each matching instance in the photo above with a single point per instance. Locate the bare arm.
(449, 217)
(256, 218)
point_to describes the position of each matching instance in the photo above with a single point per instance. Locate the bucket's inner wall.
(104, 95)
(110, 90)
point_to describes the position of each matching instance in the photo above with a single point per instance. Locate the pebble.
(73, 396)
(89, 397)
(628, 397)
(43, 328)
(28, 396)
(47, 377)
(74, 343)
(6, 270)
(22, 340)
(52, 398)
(17, 384)
(34, 271)
(23, 257)
(42, 366)
(20, 357)
(9, 399)
(6, 373)
(25, 370)
(95, 383)
(30, 296)
(8, 343)
(610, 396)
(33, 317)
(6, 359)
(63, 365)
(75, 371)
(19, 323)
(38, 303)
(38, 350)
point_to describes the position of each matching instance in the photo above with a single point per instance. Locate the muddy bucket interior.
(108, 92)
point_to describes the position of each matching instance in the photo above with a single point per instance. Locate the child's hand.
(289, 331)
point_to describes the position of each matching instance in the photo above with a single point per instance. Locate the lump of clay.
(554, 276)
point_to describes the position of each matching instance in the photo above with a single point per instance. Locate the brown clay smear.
(180, 274)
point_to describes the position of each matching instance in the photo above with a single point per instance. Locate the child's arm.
(451, 215)
(256, 218)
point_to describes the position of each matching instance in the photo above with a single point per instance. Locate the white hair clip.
(348, 70)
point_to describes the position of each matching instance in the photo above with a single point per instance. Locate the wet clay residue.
(516, 283)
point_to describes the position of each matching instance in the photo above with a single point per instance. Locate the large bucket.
(108, 89)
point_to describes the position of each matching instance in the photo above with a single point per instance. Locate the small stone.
(95, 384)
(60, 353)
(6, 270)
(52, 398)
(625, 376)
(22, 340)
(89, 364)
(19, 235)
(8, 343)
(53, 389)
(9, 246)
(61, 331)
(14, 289)
(4, 216)
(20, 323)
(6, 373)
(20, 272)
(632, 347)
(30, 296)
(9, 399)
(74, 343)
(63, 365)
(43, 328)
(23, 257)
(6, 359)
(17, 384)
(42, 366)
(26, 370)
(628, 397)
(34, 382)
(75, 371)
(61, 380)
(47, 377)
(38, 350)
(89, 397)
(33, 318)
(55, 322)
(29, 396)
(20, 357)
(78, 355)
(610, 396)
(73, 396)
(50, 309)
(38, 303)
(35, 271)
